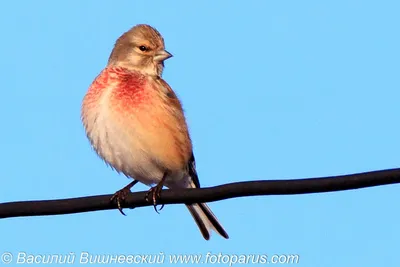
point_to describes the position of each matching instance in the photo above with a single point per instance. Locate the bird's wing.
(193, 172)
(174, 100)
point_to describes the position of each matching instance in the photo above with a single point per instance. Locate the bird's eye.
(143, 48)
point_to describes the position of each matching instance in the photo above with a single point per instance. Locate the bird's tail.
(206, 220)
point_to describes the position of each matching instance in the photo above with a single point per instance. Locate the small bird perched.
(135, 122)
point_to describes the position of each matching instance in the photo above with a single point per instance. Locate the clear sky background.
(271, 89)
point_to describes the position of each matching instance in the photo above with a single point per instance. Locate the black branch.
(210, 194)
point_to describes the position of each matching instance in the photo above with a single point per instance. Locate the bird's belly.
(122, 149)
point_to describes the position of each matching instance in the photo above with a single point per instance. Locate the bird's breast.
(132, 127)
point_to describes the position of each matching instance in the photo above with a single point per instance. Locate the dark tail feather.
(206, 220)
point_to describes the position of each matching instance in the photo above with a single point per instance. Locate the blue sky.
(271, 89)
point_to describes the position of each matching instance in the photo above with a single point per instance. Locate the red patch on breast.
(126, 93)
(129, 88)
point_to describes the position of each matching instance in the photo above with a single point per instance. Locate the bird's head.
(142, 49)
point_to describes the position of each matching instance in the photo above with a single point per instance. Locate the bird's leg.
(121, 194)
(156, 192)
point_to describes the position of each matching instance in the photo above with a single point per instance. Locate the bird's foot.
(120, 195)
(155, 193)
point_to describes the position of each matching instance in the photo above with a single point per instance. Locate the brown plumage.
(135, 121)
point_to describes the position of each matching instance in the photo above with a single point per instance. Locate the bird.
(136, 123)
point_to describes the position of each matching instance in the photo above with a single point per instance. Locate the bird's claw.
(121, 195)
(156, 194)
(118, 197)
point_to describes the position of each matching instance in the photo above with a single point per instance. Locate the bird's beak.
(162, 55)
